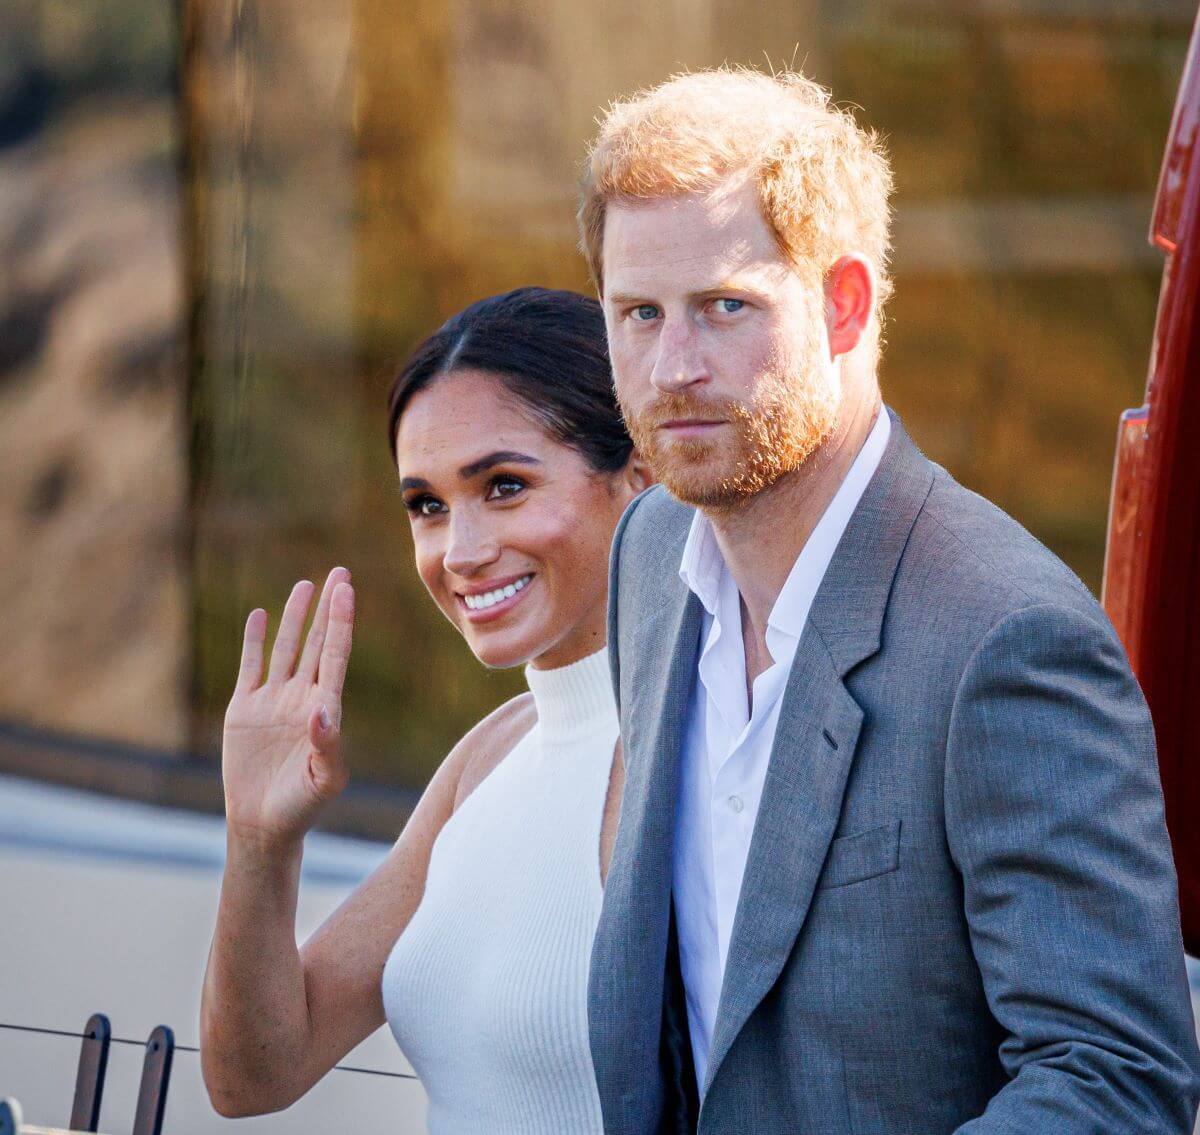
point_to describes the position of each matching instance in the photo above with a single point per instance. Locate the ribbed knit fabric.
(486, 990)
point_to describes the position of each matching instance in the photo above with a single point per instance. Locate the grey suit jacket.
(959, 911)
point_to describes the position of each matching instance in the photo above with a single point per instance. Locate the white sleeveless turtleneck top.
(486, 989)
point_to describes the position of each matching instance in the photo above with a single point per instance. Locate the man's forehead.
(682, 236)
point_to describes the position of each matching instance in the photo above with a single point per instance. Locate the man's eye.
(729, 306)
(424, 506)
(504, 487)
(643, 313)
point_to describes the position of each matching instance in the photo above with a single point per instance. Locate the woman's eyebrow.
(482, 465)
(500, 457)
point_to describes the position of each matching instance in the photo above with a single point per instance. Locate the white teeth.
(491, 598)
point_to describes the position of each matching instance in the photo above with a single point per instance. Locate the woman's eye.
(728, 306)
(424, 506)
(504, 487)
(643, 313)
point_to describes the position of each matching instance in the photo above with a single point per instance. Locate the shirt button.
(735, 802)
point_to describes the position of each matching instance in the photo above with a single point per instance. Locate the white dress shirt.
(726, 748)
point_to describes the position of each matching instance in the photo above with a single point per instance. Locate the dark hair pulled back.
(548, 348)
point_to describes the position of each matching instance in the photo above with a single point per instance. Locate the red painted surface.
(1152, 565)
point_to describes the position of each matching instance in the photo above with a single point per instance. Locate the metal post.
(156, 1074)
(89, 1080)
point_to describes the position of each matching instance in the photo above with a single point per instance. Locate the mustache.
(678, 407)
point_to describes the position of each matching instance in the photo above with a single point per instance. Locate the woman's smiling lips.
(486, 602)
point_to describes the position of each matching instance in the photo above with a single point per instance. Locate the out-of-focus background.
(223, 222)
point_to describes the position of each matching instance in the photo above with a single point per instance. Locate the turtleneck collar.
(573, 699)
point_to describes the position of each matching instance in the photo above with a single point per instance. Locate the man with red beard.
(892, 855)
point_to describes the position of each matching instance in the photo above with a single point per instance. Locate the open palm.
(281, 751)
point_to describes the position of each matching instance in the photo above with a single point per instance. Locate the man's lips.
(689, 427)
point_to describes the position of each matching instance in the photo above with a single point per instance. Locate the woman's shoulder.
(489, 742)
(468, 763)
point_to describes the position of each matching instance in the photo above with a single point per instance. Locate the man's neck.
(762, 539)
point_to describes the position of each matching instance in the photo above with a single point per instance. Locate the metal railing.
(96, 1039)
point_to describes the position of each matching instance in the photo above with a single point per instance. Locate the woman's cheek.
(546, 533)
(584, 543)
(429, 570)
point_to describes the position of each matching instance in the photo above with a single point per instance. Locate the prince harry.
(892, 856)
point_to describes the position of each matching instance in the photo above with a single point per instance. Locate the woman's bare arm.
(274, 1018)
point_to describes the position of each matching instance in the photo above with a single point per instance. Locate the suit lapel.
(801, 801)
(628, 957)
(819, 724)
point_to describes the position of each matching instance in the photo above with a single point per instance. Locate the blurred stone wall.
(470, 120)
(273, 406)
(93, 596)
(1026, 137)
(193, 372)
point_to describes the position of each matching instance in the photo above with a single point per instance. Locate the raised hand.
(281, 751)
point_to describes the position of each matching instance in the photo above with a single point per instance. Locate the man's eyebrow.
(620, 298)
(734, 284)
(500, 457)
(624, 299)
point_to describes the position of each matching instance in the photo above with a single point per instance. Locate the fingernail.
(324, 718)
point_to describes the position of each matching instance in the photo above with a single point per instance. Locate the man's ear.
(849, 301)
(637, 475)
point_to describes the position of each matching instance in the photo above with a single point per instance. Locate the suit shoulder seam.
(1031, 599)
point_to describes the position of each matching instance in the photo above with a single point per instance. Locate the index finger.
(335, 653)
(310, 659)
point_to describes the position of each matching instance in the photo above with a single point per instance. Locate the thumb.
(324, 735)
(324, 763)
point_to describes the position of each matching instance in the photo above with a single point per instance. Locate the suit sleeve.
(1054, 816)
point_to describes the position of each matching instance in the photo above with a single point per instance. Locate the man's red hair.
(823, 181)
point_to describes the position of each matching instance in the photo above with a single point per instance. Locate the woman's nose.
(471, 547)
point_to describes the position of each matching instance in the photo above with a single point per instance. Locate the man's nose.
(471, 546)
(677, 364)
